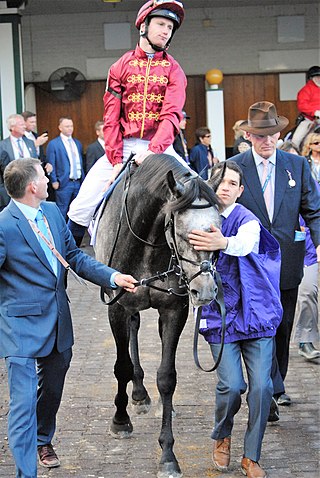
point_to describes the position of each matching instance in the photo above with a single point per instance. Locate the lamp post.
(215, 111)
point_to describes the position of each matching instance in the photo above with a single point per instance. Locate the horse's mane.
(153, 173)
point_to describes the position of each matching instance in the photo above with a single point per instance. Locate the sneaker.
(308, 351)
(47, 456)
(221, 453)
(284, 400)
(252, 469)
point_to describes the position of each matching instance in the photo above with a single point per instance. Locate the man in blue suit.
(14, 147)
(277, 188)
(64, 153)
(36, 334)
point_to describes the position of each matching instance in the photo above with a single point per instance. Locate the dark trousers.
(288, 301)
(51, 373)
(65, 195)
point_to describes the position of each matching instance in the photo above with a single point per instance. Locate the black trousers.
(51, 371)
(288, 301)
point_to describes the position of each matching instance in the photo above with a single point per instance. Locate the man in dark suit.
(64, 153)
(277, 188)
(39, 140)
(95, 150)
(35, 322)
(14, 147)
(31, 133)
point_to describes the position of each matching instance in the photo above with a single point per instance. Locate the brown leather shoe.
(47, 456)
(221, 453)
(252, 469)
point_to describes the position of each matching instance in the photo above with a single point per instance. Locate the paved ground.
(291, 446)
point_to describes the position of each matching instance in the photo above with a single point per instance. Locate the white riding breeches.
(301, 132)
(92, 189)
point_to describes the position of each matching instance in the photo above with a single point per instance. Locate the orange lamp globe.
(214, 77)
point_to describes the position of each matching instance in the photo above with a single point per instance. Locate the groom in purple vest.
(249, 265)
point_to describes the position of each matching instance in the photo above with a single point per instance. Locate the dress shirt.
(65, 140)
(247, 238)
(16, 149)
(31, 136)
(101, 142)
(259, 165)
(30, 213)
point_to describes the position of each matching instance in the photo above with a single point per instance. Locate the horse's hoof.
(169, 470)
(141, 407)
(120, 431)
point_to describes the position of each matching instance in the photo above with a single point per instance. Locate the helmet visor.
(166, 14)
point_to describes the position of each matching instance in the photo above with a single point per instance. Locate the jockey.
(308, 102)
(143, 103)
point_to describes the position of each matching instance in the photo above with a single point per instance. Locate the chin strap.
(155, 47)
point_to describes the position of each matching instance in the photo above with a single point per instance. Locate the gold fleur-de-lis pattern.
(145, 90)
(142, 100)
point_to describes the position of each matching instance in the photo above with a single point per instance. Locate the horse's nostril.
(205, 266)
(194, 292)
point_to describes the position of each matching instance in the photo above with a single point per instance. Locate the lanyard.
(53, 249)
(266, 182)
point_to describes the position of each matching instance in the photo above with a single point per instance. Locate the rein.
(221, 304)
(205, 266)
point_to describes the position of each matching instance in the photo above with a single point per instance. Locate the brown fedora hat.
(263, 119)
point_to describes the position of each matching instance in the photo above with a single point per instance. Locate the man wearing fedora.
(277, 188)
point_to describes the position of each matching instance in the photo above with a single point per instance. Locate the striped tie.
(20, 147)
(43, 228)
(266, 184)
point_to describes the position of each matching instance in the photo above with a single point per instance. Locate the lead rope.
(221, 304)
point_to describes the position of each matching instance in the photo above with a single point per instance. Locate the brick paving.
(291, 446)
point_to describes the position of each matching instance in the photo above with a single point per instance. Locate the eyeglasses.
(315, 143)
(207, 136)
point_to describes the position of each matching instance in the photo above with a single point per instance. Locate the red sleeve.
(171, 111)
(112, 111)
(305, 101)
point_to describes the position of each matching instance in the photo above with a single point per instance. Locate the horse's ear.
(176, 187)
(216, 177)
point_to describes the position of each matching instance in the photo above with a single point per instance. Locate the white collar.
(226, 213)
(64, 137)
(258, 159)
(101, 142)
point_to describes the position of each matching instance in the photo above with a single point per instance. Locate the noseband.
(204, 266)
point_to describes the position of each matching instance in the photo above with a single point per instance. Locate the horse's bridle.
(204, 266)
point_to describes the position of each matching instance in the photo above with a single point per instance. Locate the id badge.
(299, 236)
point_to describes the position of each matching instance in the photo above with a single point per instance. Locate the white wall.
(233, 43)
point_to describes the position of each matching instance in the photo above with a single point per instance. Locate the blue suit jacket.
(34, 309)
(6, 156)
(57, 156)
(289, 202)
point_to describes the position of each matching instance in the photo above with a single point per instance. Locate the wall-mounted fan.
(67, 84)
